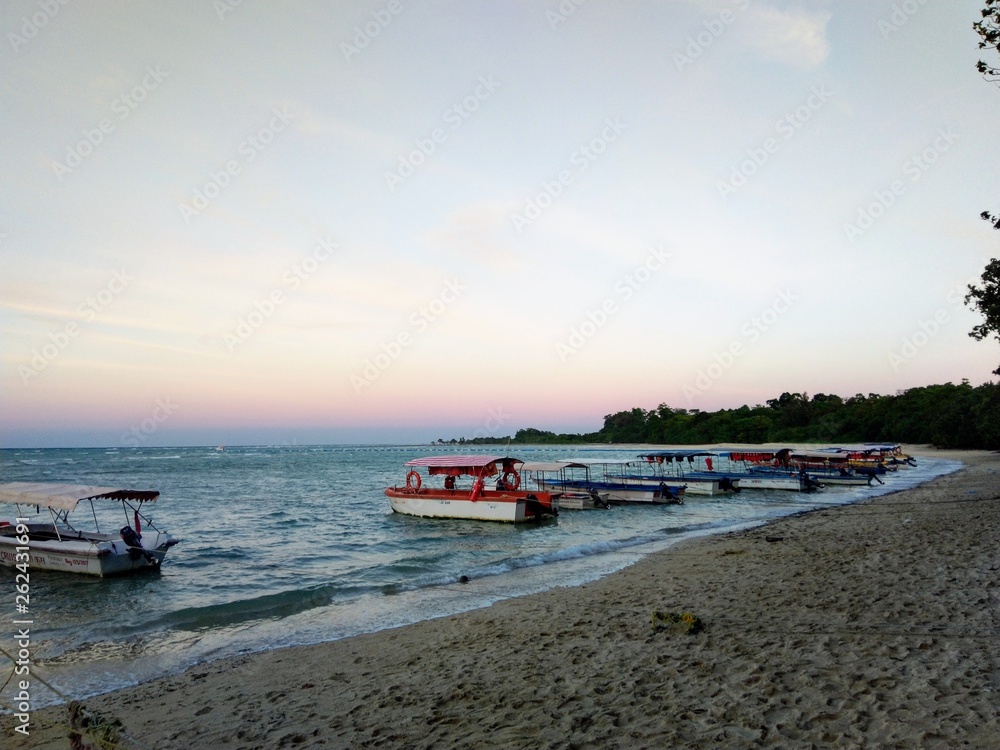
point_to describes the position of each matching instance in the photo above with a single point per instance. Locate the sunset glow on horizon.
(404, 221)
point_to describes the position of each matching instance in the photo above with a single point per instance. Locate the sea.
(291, 545)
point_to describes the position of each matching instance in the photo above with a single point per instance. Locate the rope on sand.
(86, 729)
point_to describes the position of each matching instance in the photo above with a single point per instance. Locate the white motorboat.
(40, 535)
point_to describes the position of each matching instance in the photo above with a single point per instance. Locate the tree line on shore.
(946, 416)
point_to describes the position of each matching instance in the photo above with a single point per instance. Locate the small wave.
(270, 606)
(530, 561)
(94, 651)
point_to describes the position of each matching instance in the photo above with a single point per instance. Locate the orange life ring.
(511, 480)
(413, 481)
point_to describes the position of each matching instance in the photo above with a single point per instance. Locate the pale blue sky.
(380, 221)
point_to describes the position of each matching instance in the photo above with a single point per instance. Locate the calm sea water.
(288, 545)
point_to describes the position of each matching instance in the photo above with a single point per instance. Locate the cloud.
(478, 230)
(794, 37)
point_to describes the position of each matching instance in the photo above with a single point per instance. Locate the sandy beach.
(874, 625)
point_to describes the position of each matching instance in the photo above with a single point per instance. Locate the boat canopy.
(675, 455)
(754, 455)
(458, 465)
(548, 465)
(828, 454)
(590, 462)
(66, 496)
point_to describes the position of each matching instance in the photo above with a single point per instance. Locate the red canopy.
(458, 465)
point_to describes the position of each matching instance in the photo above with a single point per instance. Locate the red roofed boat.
(470, 491)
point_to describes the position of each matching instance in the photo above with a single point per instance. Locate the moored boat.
(41, 537)
(537, 473)
(831, 467)
(761, 469)
(464, 492)
(613, 479)
(668, 466)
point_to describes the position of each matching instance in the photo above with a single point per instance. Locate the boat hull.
(616, 492)
(693, 485)
(775, 479)
(838, 481)
(489, 506)
(99, 557)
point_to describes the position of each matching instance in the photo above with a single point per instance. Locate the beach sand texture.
(874, 625)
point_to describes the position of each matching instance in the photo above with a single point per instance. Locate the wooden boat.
(831, 467)
(668, 466)
(471, 499)
(34, 539)
(536, 473)
(760, 469)
(612, 479)
(892, 454)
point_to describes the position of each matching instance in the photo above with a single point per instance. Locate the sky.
(309, 222)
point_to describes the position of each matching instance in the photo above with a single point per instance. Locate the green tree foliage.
(948, 416)
(989, 32)
(986, 299)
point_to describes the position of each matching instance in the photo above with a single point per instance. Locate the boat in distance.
(470, 499)
(31, 540)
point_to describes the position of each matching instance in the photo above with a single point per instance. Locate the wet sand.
(874, 625)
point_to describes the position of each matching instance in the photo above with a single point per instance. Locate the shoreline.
(863, 624)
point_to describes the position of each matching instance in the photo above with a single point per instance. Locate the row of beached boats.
(40, 535)
(502, 488)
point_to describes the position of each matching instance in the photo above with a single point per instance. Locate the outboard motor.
(130, 537)
(668, 496)
(596, 497)
(133, 540)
